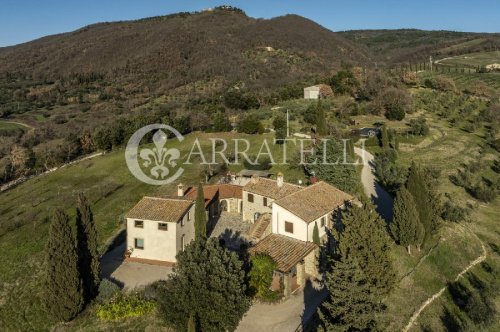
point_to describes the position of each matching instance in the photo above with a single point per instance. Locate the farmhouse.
(280, 219)
(158, 228)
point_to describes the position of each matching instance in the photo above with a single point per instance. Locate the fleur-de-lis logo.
(159, 160)
(158, 156)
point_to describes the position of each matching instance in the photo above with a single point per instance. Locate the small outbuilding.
(319, 91)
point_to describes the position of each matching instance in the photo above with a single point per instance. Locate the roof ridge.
(284, 182)
(302, 189)
(182, 199)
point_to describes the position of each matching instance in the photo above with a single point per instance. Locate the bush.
(236, 99)
(393, 102)
(261, 277)
(484, 192)
(251, 125)
(107, 290)
(419, 127)
(441, 83)
(454, 213)
(124, 306)
(344, 82)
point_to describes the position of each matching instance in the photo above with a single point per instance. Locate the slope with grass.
(456, 246)
(472, 60)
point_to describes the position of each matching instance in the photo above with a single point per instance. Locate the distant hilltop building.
(319, 91)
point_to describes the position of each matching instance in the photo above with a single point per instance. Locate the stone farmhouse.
(280, 219)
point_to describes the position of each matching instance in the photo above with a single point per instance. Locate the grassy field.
(472, 60)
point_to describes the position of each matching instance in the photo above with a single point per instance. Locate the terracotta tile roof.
(269, 188)
(284, 250)
(209, 193)
(314, 201)
(160, 209)
(215, 191)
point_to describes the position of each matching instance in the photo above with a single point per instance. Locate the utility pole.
(287, 124)
(430, 61)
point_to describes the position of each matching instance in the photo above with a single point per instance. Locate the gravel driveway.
(379, 196)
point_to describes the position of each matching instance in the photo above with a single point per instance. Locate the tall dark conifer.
(384, 137)
(87, 246)
(316, 238)
(360, 273)
(200, 216)
(63, 292)
(321, 123)
(406, 227)
(426, 201)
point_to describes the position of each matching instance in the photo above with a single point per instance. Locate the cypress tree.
(405, 226)
(321, 125)
(426, 200)
(384, 137)
(360, 272)
(316, 239)
(63, 292)
(87, 247)
(200, 216)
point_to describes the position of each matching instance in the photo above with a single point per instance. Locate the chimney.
(254, 178)
(180, 190)
(279, 179)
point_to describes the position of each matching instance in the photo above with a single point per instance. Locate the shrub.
(107, 290)
(251, 125)
(393, 102)
(454, 213)
(124, 306)
(344, 82)
(419, 127)
(484, 192)
(441, 83)
(261, 277)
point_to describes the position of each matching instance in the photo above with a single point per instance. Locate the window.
(189, 215)
(250, 198)
(323, 220)
(139, 243)
(264, 201)
(139, 223)
(288, 227)
(163, 226)
(183, 221)
(183, 242)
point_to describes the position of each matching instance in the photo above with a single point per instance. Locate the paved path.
(282, 317)
(379, 196)
(129, 275)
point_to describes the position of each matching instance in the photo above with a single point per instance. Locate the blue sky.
(24, 20)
